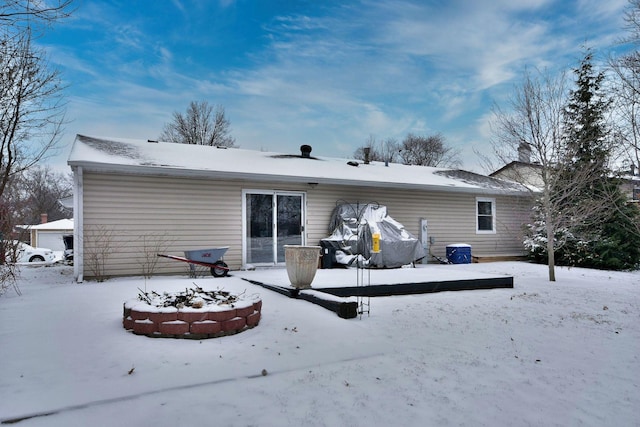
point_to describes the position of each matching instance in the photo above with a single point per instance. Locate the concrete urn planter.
(302, 264)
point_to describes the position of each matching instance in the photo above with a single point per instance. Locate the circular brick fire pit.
(206, 318)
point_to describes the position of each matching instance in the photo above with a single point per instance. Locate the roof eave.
(245, 176)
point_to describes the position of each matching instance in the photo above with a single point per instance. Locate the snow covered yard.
(564, 353)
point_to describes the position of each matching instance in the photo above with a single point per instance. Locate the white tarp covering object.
(352, 228)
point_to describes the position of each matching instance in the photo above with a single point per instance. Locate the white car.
(21, 252)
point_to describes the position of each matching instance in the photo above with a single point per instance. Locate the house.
(530, 174)
(49, 234)
(630, 186)
(134, 198)
(522, 170)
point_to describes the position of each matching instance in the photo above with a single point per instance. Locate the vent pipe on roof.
(305, 151)
(367, 152)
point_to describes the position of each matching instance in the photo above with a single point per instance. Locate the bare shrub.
(8, 278)
(152, 245)
(98, 250)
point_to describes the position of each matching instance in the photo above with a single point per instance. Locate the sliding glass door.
(272, 219)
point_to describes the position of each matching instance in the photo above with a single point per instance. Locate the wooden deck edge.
(348, 309)
(288, 292)
(497, 258)
(344, 309)
(421, 288)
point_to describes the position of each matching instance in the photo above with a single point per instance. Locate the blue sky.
(324, 73)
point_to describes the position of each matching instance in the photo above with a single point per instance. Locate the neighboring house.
(529, 174)
(49, 234)
(631, 187)
(522, 170)
(134, 197)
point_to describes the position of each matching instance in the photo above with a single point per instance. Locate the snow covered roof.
(61, 224)
(161, 158)
(66, 202)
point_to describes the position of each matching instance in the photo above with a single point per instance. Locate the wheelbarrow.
(205, 257)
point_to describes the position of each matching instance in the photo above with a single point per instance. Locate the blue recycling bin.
(459, 253)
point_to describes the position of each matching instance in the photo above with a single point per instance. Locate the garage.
(49, 235)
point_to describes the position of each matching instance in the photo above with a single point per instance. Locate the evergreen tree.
(586, 132)
(587, 148)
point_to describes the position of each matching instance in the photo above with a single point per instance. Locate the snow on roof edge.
(61, 224)
(117, 155)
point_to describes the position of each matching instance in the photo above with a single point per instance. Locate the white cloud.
(334, 75)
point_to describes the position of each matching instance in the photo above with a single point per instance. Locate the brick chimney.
(44, 218)
(524, 153)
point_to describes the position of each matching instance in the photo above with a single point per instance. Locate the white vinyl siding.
(189, 213)
(182, 213)
(451, 216)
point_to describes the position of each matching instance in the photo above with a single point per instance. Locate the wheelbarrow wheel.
(219, 269)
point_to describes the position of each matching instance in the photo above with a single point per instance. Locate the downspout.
(78, 224)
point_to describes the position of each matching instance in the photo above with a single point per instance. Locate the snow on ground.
(564, 353)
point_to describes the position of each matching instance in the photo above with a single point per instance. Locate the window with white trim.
(485, 215)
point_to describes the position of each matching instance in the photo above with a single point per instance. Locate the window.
(486, 214)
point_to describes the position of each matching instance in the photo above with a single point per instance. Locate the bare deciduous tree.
(201, 125)
(379, 150)
(632, 22)
(626, 121)
(13, 12)
(39, 191)
(533, 120)
(31, 108)
(414, 150)
(626, 90)
(428, 151)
